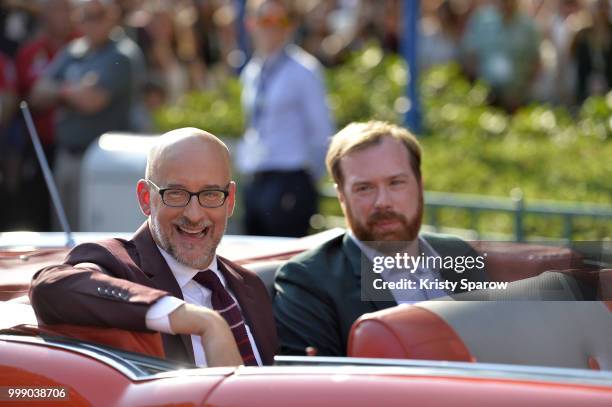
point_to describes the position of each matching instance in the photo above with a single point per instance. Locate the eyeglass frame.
(162, 191)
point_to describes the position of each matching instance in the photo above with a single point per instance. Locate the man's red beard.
(367, 233)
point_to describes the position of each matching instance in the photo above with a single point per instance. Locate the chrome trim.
(447, 368)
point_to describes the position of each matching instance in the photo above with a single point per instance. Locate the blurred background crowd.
(554, 51)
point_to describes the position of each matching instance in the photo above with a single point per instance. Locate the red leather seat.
(23, 321)
(573, 334)
(139, 342)
(406, 332)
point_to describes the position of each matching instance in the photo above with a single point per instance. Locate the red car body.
(97, 367)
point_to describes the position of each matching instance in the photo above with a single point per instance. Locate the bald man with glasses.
(168, 278)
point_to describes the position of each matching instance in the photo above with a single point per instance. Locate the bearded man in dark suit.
(321, 292)
(168, 278)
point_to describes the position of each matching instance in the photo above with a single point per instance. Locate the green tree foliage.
(217, 110)
(469, 146)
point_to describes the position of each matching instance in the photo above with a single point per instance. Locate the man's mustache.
(386, 215)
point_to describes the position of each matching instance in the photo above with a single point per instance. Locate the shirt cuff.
(157, 315)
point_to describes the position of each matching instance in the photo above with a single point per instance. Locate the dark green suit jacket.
(319, 296)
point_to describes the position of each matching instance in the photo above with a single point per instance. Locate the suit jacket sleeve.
(112, 292)
(305, 314)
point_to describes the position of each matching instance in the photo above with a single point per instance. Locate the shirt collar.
(184, 274)
(367, 250)
(370, 253)
(271, 59)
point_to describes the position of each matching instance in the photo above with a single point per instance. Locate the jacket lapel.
(235, 281)
(354, 254)
(153, 264)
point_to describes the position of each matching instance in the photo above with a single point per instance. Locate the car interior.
(536, 328)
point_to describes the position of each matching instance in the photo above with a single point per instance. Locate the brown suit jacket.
(135, 276)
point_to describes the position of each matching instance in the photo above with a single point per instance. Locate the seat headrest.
(406, 332)
(572, 334)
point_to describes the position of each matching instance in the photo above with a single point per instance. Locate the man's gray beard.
(202, 261)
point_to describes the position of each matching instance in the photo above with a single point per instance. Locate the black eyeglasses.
(179, 198)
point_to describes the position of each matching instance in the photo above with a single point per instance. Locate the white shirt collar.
(370, 253)
(184, 274)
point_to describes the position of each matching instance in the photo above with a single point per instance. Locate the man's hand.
(85, 96)
(45, 94)
(217, 339)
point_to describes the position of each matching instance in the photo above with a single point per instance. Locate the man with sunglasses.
(168, 278)
(289, 125)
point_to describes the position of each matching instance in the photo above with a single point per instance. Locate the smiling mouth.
(193, 233)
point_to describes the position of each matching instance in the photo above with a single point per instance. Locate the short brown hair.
(358, 136)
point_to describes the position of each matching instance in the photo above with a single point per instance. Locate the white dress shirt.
(407, 296)
(293, 124)
(193, 293)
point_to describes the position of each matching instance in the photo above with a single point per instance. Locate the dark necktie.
(266, 75)
(259, 95)
(225, 305)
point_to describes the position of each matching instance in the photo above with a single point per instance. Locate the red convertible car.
(544, 353)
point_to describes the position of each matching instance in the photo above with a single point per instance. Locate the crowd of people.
(549, 51)
(91, 66)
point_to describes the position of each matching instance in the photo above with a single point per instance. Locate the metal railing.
(516, 205)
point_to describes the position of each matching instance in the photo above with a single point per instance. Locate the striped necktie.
(225, 305)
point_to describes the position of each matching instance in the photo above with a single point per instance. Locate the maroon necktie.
(225, 305)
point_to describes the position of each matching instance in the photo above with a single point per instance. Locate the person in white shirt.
(289, 125)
